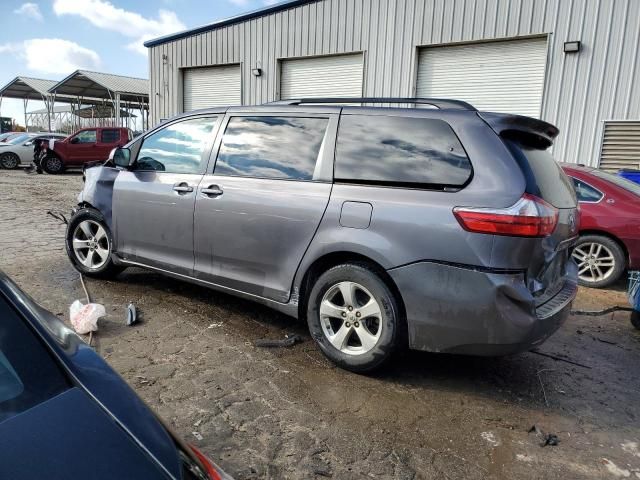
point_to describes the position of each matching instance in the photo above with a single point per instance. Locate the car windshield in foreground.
(619, 181)
(28, 373)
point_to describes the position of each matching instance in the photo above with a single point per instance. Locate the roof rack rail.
(441, 103)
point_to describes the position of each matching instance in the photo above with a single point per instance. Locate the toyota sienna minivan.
(440, 229)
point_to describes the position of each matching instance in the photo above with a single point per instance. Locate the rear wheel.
(600, 261)
(9, 161)
(52, 164)
(353, 317)
(89, 244)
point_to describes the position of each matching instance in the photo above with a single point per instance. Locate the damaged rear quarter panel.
(98, 190)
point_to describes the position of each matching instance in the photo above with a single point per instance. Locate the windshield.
(18, 139)
(628, 185)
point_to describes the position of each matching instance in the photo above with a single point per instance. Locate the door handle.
(212, 191)
(182, 188)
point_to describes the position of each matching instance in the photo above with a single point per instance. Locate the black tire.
(9, 161)
(606, 243)
(52, 164)
(389, 322)
(103, 268)
(635, 319)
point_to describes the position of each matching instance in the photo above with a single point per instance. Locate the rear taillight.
(210, 468)
(528, 217)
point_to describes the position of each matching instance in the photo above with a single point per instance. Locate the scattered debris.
(545, 439)
(197, 435)
(523, 457)
(84, 318)
(544, 393)
(323, 472)
(132, 315)
(631, 448)
(58, 216)
(560, 359)
(216, 325)
(615, 470)
(490, 438)
(288, 341)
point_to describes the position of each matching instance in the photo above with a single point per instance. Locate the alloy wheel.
(351, 318)
(91, 244)
(54, 164)
(10, 161)
(595, 262)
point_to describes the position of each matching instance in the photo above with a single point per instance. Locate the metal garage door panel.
(211, 87)
(505, 76)
(620, 146)
(331, 76)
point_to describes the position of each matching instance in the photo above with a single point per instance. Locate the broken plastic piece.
(132, 315)
(84, 318)
(288, 341)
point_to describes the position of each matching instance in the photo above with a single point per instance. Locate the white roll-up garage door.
(207, 87)
(330, 76)
(505, 76)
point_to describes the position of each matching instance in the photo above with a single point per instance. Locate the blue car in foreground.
(64, 413)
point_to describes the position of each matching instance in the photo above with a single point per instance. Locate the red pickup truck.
(84, 146)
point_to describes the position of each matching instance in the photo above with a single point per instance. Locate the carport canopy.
(87, 84)
(27, 88)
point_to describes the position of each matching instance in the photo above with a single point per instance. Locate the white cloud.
(31, 10)
(107, 16)
(271, 2)
(52, 55)
(240, 3)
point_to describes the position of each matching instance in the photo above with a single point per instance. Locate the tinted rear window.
(543, 175)
(28, 373)
(110, 136)
(421, 152)
(628, 185)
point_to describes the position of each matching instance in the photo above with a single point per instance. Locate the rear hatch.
(529, 141)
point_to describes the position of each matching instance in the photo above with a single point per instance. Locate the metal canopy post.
(25, 102)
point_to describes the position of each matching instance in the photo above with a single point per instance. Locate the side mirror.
(120, 157)
(29, 143)
(74, 140)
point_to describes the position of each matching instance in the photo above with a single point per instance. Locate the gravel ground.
(288, 413)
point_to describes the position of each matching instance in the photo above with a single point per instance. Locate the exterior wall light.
(571, 47)
(256, 72)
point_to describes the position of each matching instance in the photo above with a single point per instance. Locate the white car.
(19, 150)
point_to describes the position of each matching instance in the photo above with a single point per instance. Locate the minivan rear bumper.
(467, 310)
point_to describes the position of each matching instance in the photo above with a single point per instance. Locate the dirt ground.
(288, 413)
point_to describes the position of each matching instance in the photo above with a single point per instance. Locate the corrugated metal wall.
(602, 82)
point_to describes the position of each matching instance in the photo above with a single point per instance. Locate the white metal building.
(519, 56)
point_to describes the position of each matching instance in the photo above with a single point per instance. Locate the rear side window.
(110, 136)
(420, 152)
(543, 175)
(584, 192)
(628, 185)
(271, 147)
(28, 373)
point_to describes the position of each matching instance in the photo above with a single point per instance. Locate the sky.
(52, 38)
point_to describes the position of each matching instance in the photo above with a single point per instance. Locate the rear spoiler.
(531, 130)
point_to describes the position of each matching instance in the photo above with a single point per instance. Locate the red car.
(609, 239)
(84, 146)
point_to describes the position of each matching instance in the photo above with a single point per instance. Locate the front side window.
(271, 147)
(86, 136)
(586, 193)
(110, 136)
(177, 148)
(421, 152)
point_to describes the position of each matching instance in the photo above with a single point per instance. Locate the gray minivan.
(442, 229)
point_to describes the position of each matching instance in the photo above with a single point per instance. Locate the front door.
(153, 202)
(258, 210)
(82, 147)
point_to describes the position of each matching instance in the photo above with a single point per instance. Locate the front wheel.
(9, 161)
(52, 164)
(89, 244)
(353, 317)
(600, 261)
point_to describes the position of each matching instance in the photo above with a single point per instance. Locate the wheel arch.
(332, 259)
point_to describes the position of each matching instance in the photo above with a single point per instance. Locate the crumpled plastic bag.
(84, 318)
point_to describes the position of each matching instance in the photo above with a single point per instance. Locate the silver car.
(19, 150)
(445, 230)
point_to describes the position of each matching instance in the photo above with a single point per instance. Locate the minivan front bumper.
(467, 310)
